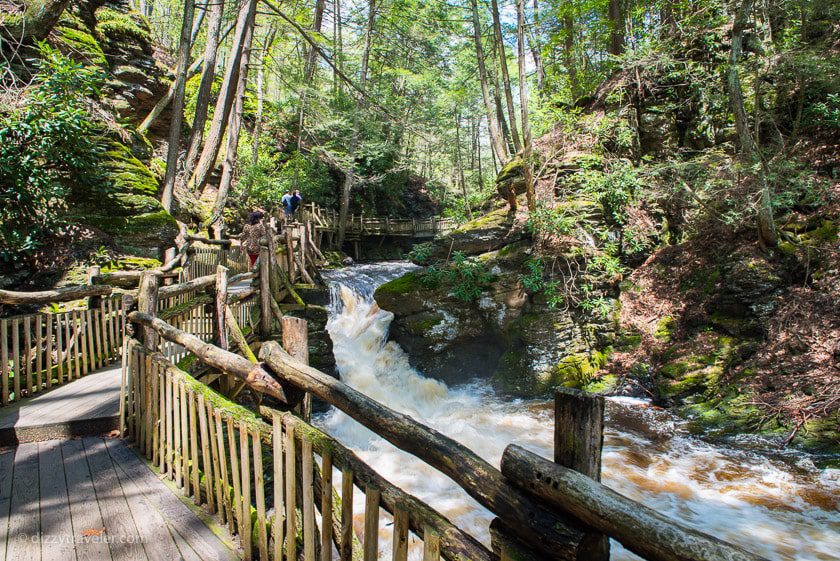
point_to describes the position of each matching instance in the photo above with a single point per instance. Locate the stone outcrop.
(515, 339)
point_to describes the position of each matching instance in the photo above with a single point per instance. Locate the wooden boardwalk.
(89, 405)
(94, 499)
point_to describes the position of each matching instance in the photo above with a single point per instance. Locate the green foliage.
(532, 280)
(614, 188)
(112, 25)
(264, 183)
(465, 277)
(421, 253)
(557, 221)
(45, 141)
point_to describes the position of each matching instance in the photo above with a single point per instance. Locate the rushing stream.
(779, 506)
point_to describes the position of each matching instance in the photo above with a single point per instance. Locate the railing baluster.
(431, 545)
(371, 542)
(277, 465)
(16, 357)
(259, 494)
(235, 477)
(245, 507)
(307, 487)
(27, 353)
(346, 551)
(49, 350)
(185, 440)
(326, 505)
(193, 447)
(211, 472)
(4, 359)
(400, 539)
(291, 523)
(39, 352)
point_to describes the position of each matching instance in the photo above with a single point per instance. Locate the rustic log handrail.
(208, 241)
(64, 294)
(546, 530)
(253, 375)
(199, 283)
(378, 225)
(126, 279)
(637, 527)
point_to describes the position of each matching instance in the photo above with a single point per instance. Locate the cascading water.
(782, 508)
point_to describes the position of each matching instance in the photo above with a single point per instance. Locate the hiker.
(286, 200)
(251, 235)
(295, 201)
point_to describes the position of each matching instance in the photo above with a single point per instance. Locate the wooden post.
(290, 256)
(295, 341)
(220, 308)
(265, 292)
(147, 299)
(578, 440)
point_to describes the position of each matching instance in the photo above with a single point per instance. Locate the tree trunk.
(500, 47)
(460, 164)
(368, 41)
(221, 113)
(339, 47)
(523, 103)
(178, 106)
(749, 151)
(269, 41)
(35, 23)
(536, 47)
(569, 54)
(616, 17)
(309, 71)
(499, 148)
(206, 85)
(234, 128)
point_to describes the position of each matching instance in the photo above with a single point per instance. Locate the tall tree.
(178, 105)
(499, 148)
(234, 128)
(205, 86)
(569, 53)
(221, 113)
(615, 14)
(309, 70)
(500, 48)
(749, 149)
(523, 103)
(267, 44)
(536, 46)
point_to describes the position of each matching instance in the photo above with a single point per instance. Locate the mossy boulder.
(489, 232)
(124, 204)
(79, 44)
(511, 180)
(512, 339)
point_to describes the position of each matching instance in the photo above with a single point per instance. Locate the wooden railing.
(360, 225)
(540, 514)
(218, 452)
(42, 350)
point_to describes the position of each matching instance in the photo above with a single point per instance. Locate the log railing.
(266, 480)
(328, 220)
(546, 510)
(42, 350)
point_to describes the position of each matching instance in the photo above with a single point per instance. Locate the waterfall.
(781, 507)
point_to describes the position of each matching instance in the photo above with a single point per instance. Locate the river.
(779, 505)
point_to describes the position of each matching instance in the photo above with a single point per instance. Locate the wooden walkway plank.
(7, 470)
(119, 524)
(84, 510)
(56, 526)
(24, 518)
(181, 519)
(154, 531)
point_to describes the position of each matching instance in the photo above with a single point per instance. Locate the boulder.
(515, 340)
(125, 204)
(485, 233)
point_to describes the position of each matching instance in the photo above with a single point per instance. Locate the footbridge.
(359, 226)
(126, 437)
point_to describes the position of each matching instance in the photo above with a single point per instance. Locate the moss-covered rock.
(485, 233)
(124, 204)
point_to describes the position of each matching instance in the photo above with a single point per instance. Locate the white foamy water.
(776, 507)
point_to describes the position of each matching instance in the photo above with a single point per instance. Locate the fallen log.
(64, 294)
(208, 241)
(639, 528)
(127, 279)
(200, 283)
(251, 374)
(551, 532)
